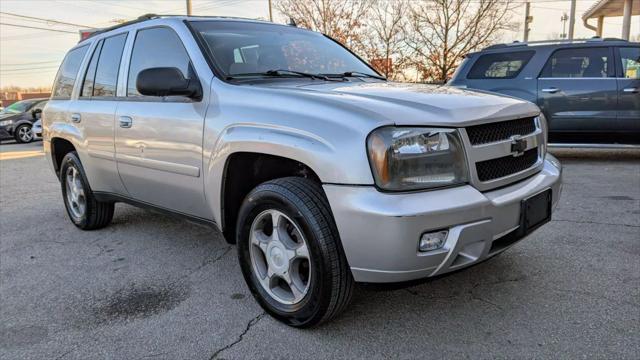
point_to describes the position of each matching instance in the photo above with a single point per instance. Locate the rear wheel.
(83, 209)
(290, 252)
(23, 134)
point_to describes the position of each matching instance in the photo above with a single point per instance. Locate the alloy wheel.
(280, 257)
(75, 192)
(25, 133)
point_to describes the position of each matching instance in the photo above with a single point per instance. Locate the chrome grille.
(501, 153)
(506, 165)
(488, 133)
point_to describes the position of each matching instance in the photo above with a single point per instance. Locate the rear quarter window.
(68, 72)
(500, 66)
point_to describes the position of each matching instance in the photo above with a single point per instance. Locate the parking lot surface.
(151, 286)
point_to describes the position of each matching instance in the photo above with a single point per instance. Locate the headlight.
(406, 158)
(6, 122)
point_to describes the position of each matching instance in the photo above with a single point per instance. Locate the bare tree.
(343, 20)
(441, 32)
(383, 37)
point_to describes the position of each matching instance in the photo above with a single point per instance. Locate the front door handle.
(75, 118)
(633, 90)
(125, 122)
(551, 90)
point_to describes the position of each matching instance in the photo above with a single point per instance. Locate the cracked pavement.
(153, 287)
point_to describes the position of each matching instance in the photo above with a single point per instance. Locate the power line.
(47, 20)
(31, 63)
(31, 35)
(38, 28)
(30, 68)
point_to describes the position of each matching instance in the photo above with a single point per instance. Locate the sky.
(30, 57)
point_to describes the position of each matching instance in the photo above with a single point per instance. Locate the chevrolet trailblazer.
(322, 172)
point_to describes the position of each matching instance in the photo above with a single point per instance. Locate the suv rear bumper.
(380, 231)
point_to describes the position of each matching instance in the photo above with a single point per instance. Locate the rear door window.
(108, 66)
(68, 72)
(579, 63)
(500, 66)
(90, 75)
(630, 57)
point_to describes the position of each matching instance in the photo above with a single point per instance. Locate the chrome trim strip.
(503, 148)
(535, 132)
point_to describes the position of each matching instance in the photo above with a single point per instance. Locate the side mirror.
(167, 81)
(36, 113)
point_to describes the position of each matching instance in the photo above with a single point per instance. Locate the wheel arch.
(59, 148)
(242, 172)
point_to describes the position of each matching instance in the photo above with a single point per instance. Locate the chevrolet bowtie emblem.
(518, 145)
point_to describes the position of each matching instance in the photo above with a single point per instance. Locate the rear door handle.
(550, 90)
(75, 118)
(632, 90)
(126, 122)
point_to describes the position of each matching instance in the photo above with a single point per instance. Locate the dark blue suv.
(589, 90)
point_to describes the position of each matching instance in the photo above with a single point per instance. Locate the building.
(9, 97)
(610, 8)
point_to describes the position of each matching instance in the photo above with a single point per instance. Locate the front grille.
(488, 133)
(505, 166)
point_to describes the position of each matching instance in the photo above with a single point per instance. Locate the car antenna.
(292, 22)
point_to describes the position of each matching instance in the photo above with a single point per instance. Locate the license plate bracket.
(535, 211)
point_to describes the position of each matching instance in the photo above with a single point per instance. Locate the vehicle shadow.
(574, 154)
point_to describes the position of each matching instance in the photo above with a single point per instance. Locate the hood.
(10, 116)
(414, 104)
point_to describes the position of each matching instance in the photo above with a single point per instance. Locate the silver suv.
(322, 172)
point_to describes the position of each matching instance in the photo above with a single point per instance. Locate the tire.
(23, 134)
(84, 210)
(305, 211)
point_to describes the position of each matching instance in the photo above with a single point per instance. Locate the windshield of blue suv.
(244, 49)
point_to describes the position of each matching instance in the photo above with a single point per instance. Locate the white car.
(36, 129)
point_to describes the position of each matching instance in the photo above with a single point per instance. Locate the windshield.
(243, 48)
(18, 107)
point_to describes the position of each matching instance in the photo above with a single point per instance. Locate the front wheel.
(23, 134)
(290, 252)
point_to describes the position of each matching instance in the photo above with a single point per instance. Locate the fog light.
(433, 240)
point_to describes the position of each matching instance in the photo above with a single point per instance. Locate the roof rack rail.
(550, 42)
(146, 17)
(139, 19)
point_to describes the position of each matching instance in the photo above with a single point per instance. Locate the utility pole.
(572, 19)
(188, 7)
(527, 19)
(564, 19)
(270, 12)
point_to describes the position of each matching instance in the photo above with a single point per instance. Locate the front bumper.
(380, 231)
(37, 132)
(6, 132)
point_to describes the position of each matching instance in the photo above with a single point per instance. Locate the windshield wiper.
(358, 74)
(283, 72)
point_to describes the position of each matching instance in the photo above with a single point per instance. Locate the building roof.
(609, 8)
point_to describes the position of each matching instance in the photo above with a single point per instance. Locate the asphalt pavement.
(151, 286)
